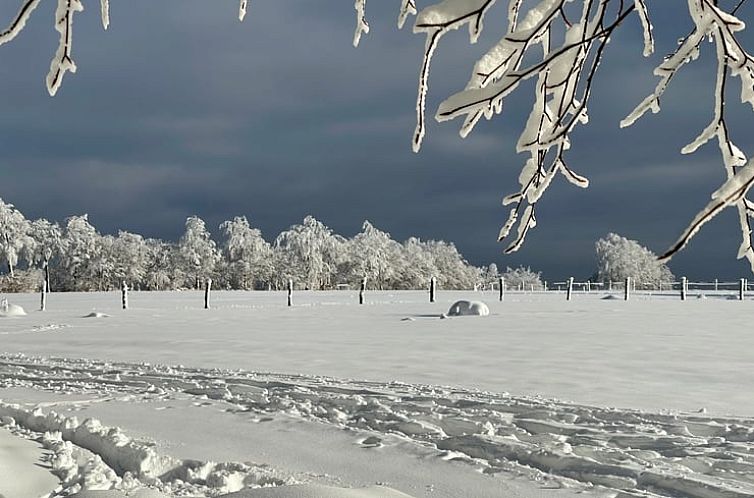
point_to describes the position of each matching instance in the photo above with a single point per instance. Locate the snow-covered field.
(542, 398)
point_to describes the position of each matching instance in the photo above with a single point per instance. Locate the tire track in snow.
(629, 452)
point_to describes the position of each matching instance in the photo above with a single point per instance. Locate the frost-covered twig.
(62, 62)
(19, 22)
(362, 26)
(436, 21)
(242, 9)
(105, 11)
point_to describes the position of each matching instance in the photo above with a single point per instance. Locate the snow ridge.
(89, 456)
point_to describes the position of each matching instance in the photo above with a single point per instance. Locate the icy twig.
(242, 9)
(62, 62)
(362, 26)
(408, 7)
(435, 21)
(19, 22)
(105, 10)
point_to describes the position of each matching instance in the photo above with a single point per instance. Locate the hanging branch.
(436, 21)
(565, 75)
(710, 22)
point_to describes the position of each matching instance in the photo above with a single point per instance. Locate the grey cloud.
(179, 109)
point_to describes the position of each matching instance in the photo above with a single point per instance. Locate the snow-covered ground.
(330, 393)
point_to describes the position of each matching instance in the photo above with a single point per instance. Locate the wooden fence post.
(362, 290)
(569, 291)
(684, 288)
(43, 303)
(432, 289)
(124, 295)
(47, 278)
(715, 285)
(588, 286)
(627, 289)
(741, 287)
(545, 285)
(207, 289)
(290, 292)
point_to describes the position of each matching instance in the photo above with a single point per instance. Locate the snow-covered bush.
(619, 257)
(29, 280)
(558, 45)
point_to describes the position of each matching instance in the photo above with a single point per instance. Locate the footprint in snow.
(96, 314)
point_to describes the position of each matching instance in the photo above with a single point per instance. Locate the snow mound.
(8, 309)
(88, 456)
(312, 491)
(468, 308)
(293, 491)
(96, 314)
(141, 493)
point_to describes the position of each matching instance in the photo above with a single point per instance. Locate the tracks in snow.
(629, 453)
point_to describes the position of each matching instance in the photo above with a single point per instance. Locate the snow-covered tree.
(619, 257)
(373, 255)
(80, 247)
(49, 244)
(197, 251)
(453, 272)
(309, 253)
(247, 254)
(523, 278)
(130, 258)
(161, 263)
(14, 235)
(416, 265)
(490, 273)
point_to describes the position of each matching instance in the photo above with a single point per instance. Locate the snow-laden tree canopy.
(619, 257)
(557, 44)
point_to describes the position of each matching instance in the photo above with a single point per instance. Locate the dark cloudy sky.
(179, 109)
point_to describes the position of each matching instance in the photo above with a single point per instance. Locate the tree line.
(74, 256)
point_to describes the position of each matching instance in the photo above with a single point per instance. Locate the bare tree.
(559, 44)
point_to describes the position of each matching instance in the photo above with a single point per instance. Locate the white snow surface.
(181, 400)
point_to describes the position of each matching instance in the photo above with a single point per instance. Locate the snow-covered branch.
(711, 22)
(557, 43)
